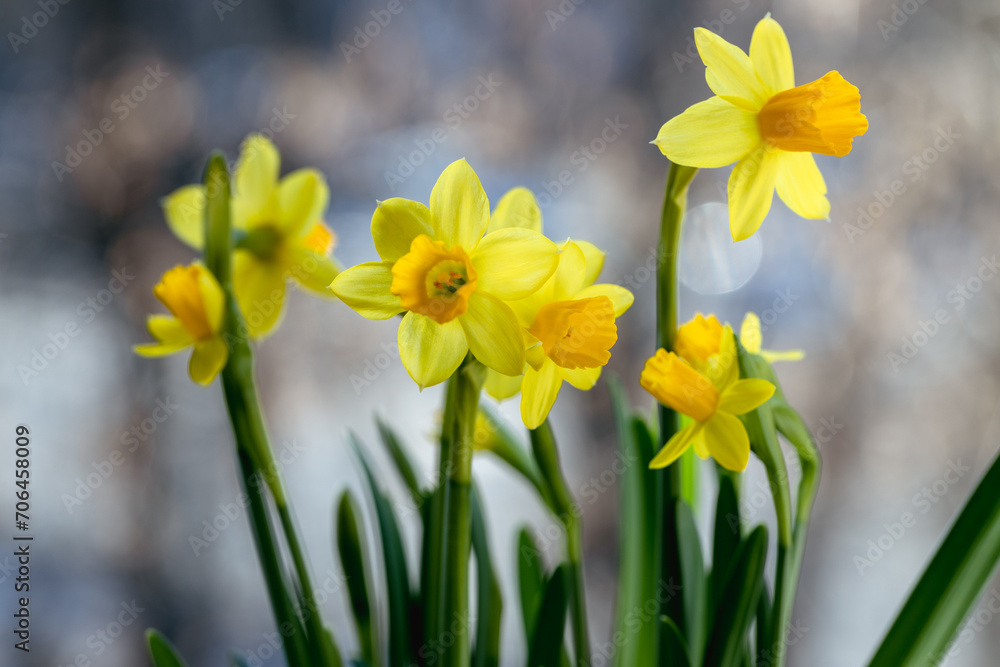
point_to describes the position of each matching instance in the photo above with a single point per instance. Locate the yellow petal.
(365, 288)
(168, 330)
(594, 260)
(500, 386)
(517, 208)
(513, 263)
(302, 199)
(158, 349)
(743, 396)
(185, 213)
(494, 334)
(677, 445)
(538, 393)
(772, 356)
(260, 292)
(430, 352)
(310, 269)
(213, 299)
(698, 339)
(723, 368)
(620, 297)
(771, 56)
(727, 441)
(571, 274)
(801, 185)
(583, 379)
(751, 188)
(730, 71)
(208, 359)
(460, 211)
(396, 223)
(750, 334)
(675, 384)
(257, 172)
(709, 134)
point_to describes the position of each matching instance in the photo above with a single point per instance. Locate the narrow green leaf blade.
(350, 547)
(546, 642)
(739, 602)
(726, 536)
(530, 579)
(693, 582)
(396, 576)
(641, 533)
(679, 650)
(399, 456)
(162, 651)
(951, 583)
(490, 599)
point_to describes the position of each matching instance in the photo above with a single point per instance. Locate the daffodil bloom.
(279, 227)
(706, 387)
(198, 305)
(569, 323)
(752, 340)
(766, 124)
(450, 277)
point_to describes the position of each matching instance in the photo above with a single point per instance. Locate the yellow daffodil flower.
(752, 340)
(766, 124)
(280, 232)
(701, 380)
(569, 322)
(450, 277)
(198, 305)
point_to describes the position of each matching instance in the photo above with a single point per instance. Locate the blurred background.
(106, 107)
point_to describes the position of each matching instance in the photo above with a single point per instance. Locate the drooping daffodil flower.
(701, 380)
(197, 303)
(767, 125)
(569, 323)
(279, 230)
(451, 278)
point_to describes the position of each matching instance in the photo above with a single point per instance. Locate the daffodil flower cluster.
(280, 234)
(466, 280)
(279, 227)
(701, 379)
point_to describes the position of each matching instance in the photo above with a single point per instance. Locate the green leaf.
(490, 599)
(402, 461)
(396, 576)
(162, 651)
(331, 652)
(739, 602)
(546, 643)
(639, 541)
(530, 579)
(693, 582)
(951, 583)
(679, 648)
(430, 554)
(350, 547)
(726, 538)
(764, 630)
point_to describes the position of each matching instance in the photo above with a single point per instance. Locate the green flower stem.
(455, 537)
(294, 636)
(670, 486)
(791, 426)
(242, 402)
(543, 444)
